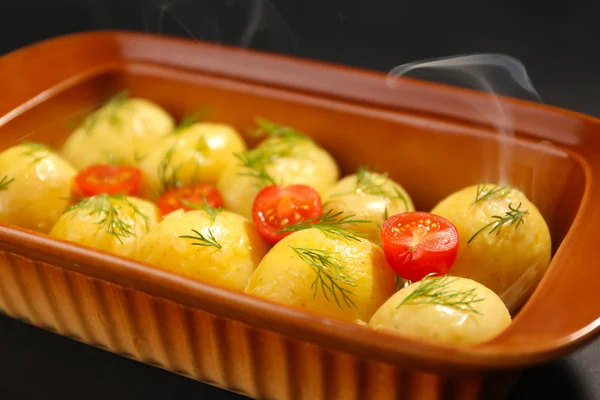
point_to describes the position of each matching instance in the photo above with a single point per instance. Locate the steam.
(494, 74)
(244, 23)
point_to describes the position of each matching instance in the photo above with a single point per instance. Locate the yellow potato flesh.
(37, 187)
(479, 318)
(370, 197)
(284, 277)
(115, 224)
(308, 164)
(511, 260)
(196, 154)
(120, 132)
(229, 265)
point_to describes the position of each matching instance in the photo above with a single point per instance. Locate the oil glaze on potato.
(363, 276)
(115, 224)
(225, 255)
(295, 162)
(512, 259)
(121, 132)
(444, 310)
(195, 154)
(369, 196)
(35, 184)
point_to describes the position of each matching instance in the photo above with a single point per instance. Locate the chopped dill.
(436, 291)
(36, 151)
(514, 216)
(190, 119)
(331, 277)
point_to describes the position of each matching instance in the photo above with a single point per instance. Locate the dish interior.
(431, 157)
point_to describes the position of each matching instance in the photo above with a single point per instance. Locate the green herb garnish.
(332, 225)
(331, 277)
(190, 119)
(36, 151)
(210, 210)
(485, 193)
(5, 181)
(203, 240)
(109, 214)
(514, 216)
(436, 291)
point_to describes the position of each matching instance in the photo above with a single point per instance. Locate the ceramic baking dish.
(430, 137)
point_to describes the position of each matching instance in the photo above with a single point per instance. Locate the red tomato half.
(176, 198)
(277, 207)
(108, 179)
(417, 244)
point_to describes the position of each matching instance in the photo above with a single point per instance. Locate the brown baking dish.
(430, 137)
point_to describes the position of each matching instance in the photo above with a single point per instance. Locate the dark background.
(556, 41)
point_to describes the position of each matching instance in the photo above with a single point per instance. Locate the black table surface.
(557, 42)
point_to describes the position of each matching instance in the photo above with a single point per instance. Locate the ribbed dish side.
(196, 344)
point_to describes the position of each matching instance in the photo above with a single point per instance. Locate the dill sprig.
(206, 207)
(331, 277)
(109, 214)
(486, 193)
(167, 173)
(370, 181)
(190, 119)
(5, 181)
(111, 105)
(281, 142)
(208, 240)
(332, 225)
(275, 130)
(514, 216)
(36, 151)
(436, 291)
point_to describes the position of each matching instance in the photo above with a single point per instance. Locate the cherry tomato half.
(417, 244)
(176, 198)
(277, 207)
(109, 179)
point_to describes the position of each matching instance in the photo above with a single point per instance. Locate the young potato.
(122, 131)
(444, 310)
(504, 241)
(115, 224)
(211, 245)
(370, 196)
(277, 160)
(35, 184)
(196, 154)
(325, 274)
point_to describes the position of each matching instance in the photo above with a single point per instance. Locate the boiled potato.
(121, 132)
(196, 154)
(370, 196)
(115, 224)
(276, 161)
(35, 184)
(444, 310)
(510, 257)
(217, 247)
(327, 275)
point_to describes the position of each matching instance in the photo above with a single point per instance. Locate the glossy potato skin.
(230, 266)
(118, 133)
(442, 324)
(512, 262)
(283, 277)
(348, 197)
(309, 165)
(84, 226)
(196, 154)
(40, 187)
